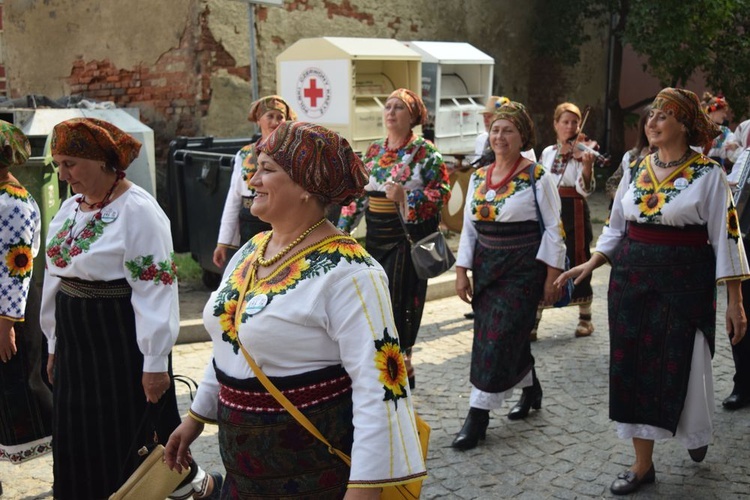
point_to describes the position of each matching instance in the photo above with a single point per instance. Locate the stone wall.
(186, 63)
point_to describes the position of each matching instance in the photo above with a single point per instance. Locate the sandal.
(585, 326)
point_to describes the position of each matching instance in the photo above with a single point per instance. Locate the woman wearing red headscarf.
(111, 316)
(311, 307)
(671, 236)
(407, 174)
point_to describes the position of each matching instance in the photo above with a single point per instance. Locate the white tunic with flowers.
(514, 203)
(695, 194)
(131, 240)
(19, 244)
(327, 305)
(571, 176)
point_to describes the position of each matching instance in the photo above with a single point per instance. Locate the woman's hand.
(362, 494)
(395, 192)
(177, 452)
(7, 340)
(463, 285)
(736, 319)
(552, 293)
(155, 385)
(220, 256)
(51, 368)
(580, 272)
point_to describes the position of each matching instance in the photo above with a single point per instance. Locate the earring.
(307, 198)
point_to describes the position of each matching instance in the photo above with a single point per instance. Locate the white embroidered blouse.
(572, 176)
(131, 240)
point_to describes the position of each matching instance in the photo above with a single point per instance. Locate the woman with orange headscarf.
(237, 223)
(672, 236)
(407, 174)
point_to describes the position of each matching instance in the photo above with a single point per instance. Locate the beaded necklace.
(400, 147)
(264, 244)
(98, 215)
(674, 163)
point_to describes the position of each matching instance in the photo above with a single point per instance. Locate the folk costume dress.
(669, 243)
(110, 312)
(321, 328)
(25, 400)
(567, 173)
(237, 223)
(719, 152)
(419, 167)
(502, 243)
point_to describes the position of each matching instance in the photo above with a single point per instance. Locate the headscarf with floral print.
(414, 104)
(686, 108)
(516, 113)
(95, 139)
(270, 103)
(713, 103)
(318, 159)
(14, 145)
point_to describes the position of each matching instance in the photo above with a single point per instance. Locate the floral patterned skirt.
(659, 296)
(267, 453)
(508, 285)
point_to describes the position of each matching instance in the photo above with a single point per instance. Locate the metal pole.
(253, 61)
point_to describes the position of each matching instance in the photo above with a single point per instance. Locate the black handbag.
(430, 255)
(568, 287)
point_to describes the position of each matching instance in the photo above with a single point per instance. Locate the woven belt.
(655, 234)
(117, 289)
(301, 397)
(382, 205)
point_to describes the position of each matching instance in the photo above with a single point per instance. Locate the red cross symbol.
(313, 92)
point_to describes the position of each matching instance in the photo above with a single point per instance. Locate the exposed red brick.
(346, 9)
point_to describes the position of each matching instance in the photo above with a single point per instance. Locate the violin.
(580, 144)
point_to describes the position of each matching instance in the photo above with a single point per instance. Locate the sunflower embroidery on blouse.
(19, 260)
(316, 260)
(14, 191)
(733, 223)
(651, 198)
(488, 210)
(144, 268)
(249, 165)
(391, 368)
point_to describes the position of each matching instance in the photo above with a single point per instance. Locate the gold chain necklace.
(262, 249)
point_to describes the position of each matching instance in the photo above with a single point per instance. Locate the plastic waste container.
(456, 82)
(343, 83)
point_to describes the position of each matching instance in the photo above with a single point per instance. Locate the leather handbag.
(567, 289)
(152, 479)
(430, 255)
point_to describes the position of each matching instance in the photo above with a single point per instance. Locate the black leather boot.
(530, 398)
(474, 429)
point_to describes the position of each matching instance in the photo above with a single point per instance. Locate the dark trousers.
(741, 351)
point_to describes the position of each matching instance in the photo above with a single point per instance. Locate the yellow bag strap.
(270, 387)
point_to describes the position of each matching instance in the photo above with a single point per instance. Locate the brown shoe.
(585, 326)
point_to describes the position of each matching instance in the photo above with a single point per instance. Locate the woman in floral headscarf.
(672, 235)
(311, 307)
(25, 401)
(725, 147)
(514, 258)
(111, 316)
(407, 174)
(237, 223)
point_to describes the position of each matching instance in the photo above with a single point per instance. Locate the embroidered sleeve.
(386, 445)
(20, 222)
(424, 204)
(148, 264)
(552, 249)
(229, 230)
(468, 238)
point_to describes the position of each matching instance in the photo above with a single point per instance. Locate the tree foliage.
(676, 37)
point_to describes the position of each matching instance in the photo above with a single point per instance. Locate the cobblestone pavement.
(568, 449)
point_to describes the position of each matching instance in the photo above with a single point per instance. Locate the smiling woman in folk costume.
(407, 173)
(725, 147)
(672, 235)
(237, 223)
(311, 307)
(111, 316)
(25, 401)
(514, 263)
